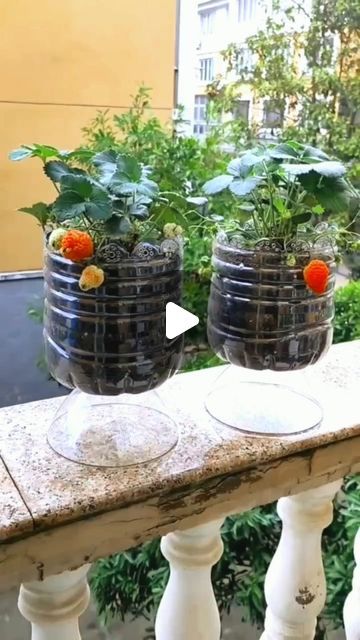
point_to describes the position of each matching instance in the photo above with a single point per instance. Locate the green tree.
(308, 66)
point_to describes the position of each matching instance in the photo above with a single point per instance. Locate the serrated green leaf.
(78, 183)
(68, 204)
(55, 170)
(215, 185)
(296, 169)
(100, 205)
(243, 187)
(40, 211)
(20, 154)
(129, 167)
(104, 157)
(330, 169)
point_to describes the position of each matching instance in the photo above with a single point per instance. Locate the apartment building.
(206, 27)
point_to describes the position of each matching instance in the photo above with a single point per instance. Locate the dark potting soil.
(261, 314)
(112, 340)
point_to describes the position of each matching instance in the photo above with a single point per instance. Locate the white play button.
(178, 320)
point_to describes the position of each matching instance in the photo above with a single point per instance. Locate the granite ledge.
(57, 492)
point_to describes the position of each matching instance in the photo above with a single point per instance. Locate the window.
(213, 19)
(247, 10)
(241, 110)
(244, 60)
(273, 114)
(206, 69)
(200, 122)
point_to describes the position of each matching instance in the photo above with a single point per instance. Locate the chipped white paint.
(295, 587)
(54, 605)
(352, 604)
(188, 610)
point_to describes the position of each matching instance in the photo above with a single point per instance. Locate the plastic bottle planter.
(261, 314)
(111, 340)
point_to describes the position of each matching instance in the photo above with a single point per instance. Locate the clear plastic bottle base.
(262, 407)
(108, 431)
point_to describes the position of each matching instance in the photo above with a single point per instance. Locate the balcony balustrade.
(56, 517)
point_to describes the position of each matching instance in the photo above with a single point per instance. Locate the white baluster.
(54, 605)
(352, 603)
(295, 587)
(188, 610)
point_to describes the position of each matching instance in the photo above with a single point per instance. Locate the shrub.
(347, 315)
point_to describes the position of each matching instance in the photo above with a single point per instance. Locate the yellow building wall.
(60, 62)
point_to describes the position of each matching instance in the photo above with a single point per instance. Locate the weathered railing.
(56, 517)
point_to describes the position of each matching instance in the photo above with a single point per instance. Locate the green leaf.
(215, 185)
(334, 194)
(40, 211)
(138, 210)
(77, 183)
(120, 168)
(148, 188)
(117, 226)
(247, 207)
(68, 204)
(330, 169)
(296, 169)
(169, 214)
(56, 170)
(243, 187)
(239, 167)
(284, 152)
(105, 157)
(129, 167)
(279, 205)
(301, 218)
(318, 209)
(313, 152)
(42, 151)
(20, 154)
(81, 155)
(100, 205)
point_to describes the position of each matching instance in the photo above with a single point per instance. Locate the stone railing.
(56, 517)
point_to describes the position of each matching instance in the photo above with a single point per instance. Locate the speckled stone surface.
(57, 491)
(15, 518)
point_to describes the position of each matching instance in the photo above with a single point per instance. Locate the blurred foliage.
(347, 312)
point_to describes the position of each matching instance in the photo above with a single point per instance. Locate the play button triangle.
(178, 320)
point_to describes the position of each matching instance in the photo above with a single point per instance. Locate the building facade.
(59, 64)
(214, 25)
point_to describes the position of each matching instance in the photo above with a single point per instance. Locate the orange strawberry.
(316, 276)
(92, 277)
(77, 245)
